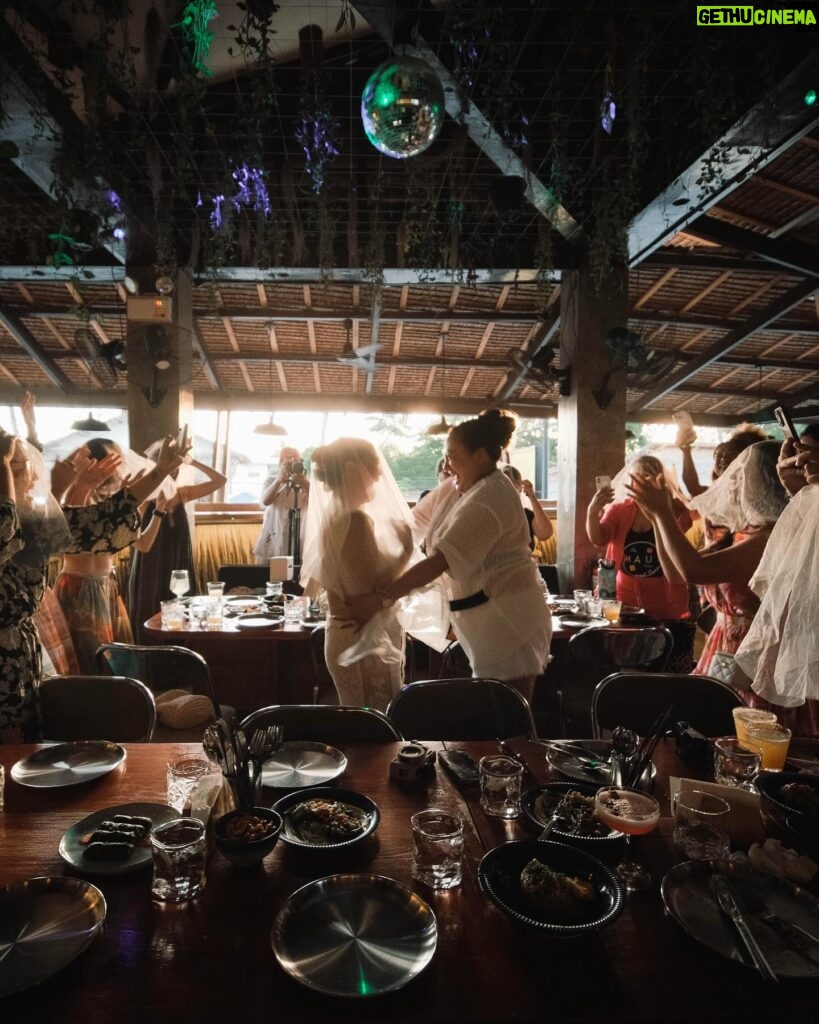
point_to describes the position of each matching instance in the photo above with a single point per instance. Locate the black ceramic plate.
(499, 877)
(292, 835)
(72, 850)
(536, 811)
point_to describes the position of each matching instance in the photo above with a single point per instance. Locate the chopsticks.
(646, 749)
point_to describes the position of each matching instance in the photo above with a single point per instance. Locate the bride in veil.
(358, 538)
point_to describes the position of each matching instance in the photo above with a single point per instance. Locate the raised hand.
(650, 493)
(8, 446)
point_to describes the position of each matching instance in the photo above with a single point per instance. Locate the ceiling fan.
(104, 360)
(359, 358)
(538, 372)
(643, 366)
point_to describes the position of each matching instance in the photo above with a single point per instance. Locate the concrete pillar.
(590, 439)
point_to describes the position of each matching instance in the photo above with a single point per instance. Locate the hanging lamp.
(270, 429)
(90, 425)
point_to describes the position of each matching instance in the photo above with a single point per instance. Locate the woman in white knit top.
(481, 547)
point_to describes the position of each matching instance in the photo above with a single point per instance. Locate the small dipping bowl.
(246, 853)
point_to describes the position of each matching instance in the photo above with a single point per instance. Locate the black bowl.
(247, 853)
(774, 807)
(291, 835)
(608, 847)
(802, 833)
(499, 878)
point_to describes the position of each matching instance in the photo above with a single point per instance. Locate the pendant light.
(270, 429)
(441, 427)
(90, 425)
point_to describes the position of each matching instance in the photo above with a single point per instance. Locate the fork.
(265, 741)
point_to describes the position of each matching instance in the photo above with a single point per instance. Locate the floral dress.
(92, 606)
(21, 589)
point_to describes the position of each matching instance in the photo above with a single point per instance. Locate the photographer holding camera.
(285, 494)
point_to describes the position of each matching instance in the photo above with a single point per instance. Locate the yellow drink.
(611, 610)
(771, 740)
(743, 716)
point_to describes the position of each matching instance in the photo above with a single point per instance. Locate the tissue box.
(281, 568)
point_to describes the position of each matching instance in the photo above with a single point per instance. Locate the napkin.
(211, 797)
(744, 821)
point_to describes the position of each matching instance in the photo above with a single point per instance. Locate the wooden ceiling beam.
(680, 258)
(698, 320)
(788, 253)
(744, 149)
(725, 345)
(31, 347)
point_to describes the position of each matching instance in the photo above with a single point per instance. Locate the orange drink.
(611, 610)
(743, 716)
(771, 740)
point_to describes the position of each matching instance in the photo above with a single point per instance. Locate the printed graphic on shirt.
(640, 556)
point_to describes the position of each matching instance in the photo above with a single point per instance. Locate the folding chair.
(637, 699)
(596, 652)
(461, 709)
(325, 723)
(112, 708)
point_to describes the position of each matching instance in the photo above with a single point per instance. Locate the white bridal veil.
(358, 538)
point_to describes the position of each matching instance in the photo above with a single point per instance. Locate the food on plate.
(800, 797)
(97, 850)
(326, 821)
(115, 838)
(560, 897)
(248, 828)
(574, 811)
(774, 858)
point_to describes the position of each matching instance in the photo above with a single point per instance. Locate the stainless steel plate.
(259, 620)
(73, 851)
(564, 759)
(67, 764)
(44, 924)
(294, 836)
(687, 896)
(302, 763)
(354, 935)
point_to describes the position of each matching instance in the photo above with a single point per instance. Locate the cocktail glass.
(180, 582)
(771, 740)
(744, 716)
(634, 814)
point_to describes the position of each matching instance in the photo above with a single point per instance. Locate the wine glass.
(180, 582)
(635, 814)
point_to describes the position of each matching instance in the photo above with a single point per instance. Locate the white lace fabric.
(748, 493)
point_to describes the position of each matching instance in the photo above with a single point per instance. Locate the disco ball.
(402, 107)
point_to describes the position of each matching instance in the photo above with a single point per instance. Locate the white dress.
(485, 540)
(374, 679)
(274, 538)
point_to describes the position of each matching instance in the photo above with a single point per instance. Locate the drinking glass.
(293, 608)
(611, 610)
(216, 591)
(273, 588)
(438, 848)
(734, 764)
(197, 612)
(172, 615)
(634, 814)
(742, 717)
(179, 849)
(580, 599)
(594, 607)
(183, 775)
(701, 825)
(500, 779)
(771, 740)
(213, 615)
(180, 582)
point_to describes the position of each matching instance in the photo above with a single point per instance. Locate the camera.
(294, 467)
(412, 763)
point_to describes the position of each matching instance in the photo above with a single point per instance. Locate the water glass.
(183, 775)
(216, 592)
(581, 599)
(438, 848)
(172, 614)
(197, 612)
(273, 588)
(293, 608)
(734, 764)
(771, 740)
(500, 779)
(701, 825)
(594, 608)
(213, 615)
(179, 849)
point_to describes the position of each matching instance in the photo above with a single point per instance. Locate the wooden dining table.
(211, 959)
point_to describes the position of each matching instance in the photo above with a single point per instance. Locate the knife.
(790, 934)
(719, 887)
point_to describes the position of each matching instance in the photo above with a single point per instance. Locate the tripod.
(294, 527)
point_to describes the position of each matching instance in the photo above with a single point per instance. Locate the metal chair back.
(596, 652)
(325, 723)
(637, 699)
(461, 709)
(159, 668)
(113, 708)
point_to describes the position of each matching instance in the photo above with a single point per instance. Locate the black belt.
(460, 604)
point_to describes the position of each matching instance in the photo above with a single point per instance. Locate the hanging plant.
(196, 18)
